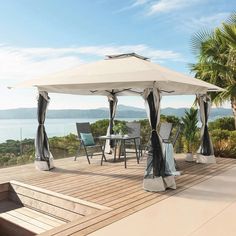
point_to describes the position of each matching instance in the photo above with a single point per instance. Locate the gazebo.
(122, 75)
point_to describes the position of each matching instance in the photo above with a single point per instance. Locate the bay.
(19, 129)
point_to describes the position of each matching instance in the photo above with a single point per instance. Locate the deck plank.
(110, 185)
(54, 222)
(22, 223)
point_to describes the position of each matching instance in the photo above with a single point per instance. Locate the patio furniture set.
(96, 146)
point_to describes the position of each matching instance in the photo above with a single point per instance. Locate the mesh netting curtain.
(155, 162)
(42, 152)
(206, 147)
(112, 99)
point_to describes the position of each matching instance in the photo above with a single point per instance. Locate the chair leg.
(124, 153)
(136, 151)
(140, 153)
(87, 155)
(77, 154)
(102, 160)
(103, 156)
(115, 150)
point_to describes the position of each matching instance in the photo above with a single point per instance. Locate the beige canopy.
(126, 74)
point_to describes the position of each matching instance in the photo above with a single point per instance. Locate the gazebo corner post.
(155, 179)
(205, 153)
(112, 100)
(43, 156)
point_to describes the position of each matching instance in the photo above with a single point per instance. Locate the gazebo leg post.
(112, 99)
(43, 156)
(205, 153)
(153, 180)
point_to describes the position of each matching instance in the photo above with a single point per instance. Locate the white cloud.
(164, 6)
(26, 63)
(140, 2)
(154, 7)
(136, 3)
(209, 21)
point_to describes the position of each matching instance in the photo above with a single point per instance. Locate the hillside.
(122, 112)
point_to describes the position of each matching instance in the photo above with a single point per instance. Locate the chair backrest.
(134, 130)
(165, 131)
(84, 134)
(83, 128)
(179, 129)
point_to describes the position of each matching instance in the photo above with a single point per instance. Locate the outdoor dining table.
(123, 140)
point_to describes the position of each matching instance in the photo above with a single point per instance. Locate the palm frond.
(199, 38)
(231, 19)
(229, 33)
(216, 59)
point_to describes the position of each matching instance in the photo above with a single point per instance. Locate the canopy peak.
(124, 55)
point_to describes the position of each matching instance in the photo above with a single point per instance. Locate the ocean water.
(19, 129)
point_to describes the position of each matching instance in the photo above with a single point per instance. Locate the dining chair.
(165, 132)
(87, 142)
(134, 130)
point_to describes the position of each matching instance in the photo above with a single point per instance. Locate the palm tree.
(216, 55)
(190, 128)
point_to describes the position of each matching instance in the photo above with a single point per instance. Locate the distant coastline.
(18, 124)
(20, 129)
(102, 113)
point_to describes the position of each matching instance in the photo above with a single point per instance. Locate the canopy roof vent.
(124, 55)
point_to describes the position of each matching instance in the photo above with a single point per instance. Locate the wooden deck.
(110, 185)
(33, 221)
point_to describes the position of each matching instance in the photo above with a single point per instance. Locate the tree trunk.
(233, 105)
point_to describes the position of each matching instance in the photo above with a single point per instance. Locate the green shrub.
(64, 146)
(232, 143)
(170, 119)
(24, 159)
(223, 137)
(120, 128)
(224, 143)
(12, 161)
(190, 121)
(99, 127)
(145, 131)
(225, 123)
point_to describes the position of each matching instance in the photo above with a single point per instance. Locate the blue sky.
(42, 37)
